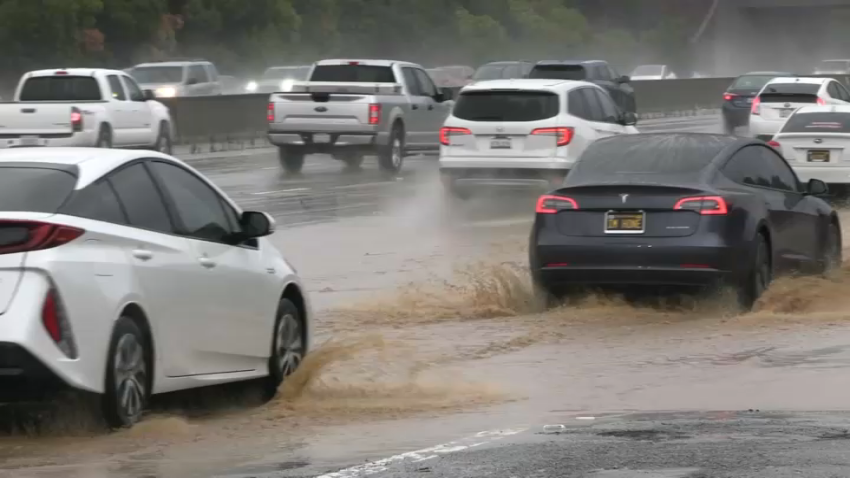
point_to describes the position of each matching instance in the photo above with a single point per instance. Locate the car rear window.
(495, 105)
(790, 93)
(353, 73)
(818, 123)
(647, 154)
(34, 189)
(559, 72)
(751, 82)
(60, 88)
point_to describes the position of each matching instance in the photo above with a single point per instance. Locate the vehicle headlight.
(286, 85)
(166, 92)
(251, 86)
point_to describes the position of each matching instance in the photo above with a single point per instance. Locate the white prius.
(127, 273)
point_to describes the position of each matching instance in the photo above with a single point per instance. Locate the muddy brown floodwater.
(428, 330)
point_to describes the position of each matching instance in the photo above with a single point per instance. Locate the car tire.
(163, 139)
(832, 259)
(128, 375)
(759, 275)
(287, 347)
(104, 137)
(292, 161)
(391, 156)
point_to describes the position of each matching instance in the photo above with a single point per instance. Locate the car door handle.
(207, 262)
(142, 254)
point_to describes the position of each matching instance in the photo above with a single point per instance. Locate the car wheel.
(163, 140)
(128, 375)
(292, 161)
(759, 276)
(832, 254)
(287, 346)
(104, 137)
(391, 156)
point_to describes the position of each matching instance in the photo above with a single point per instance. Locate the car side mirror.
(149, 95)
(256, 224)
(624, 79)
(629, 119)
(446, 94)
(816, 187)
(192, 81)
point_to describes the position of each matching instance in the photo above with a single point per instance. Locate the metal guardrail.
(239, 121)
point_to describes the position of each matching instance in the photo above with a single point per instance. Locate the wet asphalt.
(355, 237)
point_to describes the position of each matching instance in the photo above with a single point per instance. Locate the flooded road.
(427, 331)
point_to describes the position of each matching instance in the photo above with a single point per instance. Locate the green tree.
(130, 27)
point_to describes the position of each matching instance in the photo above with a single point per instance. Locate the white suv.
(524, 133)
(782, 96)
(178, 78)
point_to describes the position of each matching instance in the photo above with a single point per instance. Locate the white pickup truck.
(84, 107)
(354, 108)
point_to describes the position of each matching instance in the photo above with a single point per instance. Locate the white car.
(126, 273)
(779, 97)
(652, 72)
(816, 143)
(278, 78)
(524, 133)
(170, 79)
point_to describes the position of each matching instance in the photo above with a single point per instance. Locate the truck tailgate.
(335, 110)
(35, 119)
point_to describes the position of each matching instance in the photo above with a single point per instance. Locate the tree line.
(247, 35)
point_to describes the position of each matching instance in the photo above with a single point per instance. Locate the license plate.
(819, 156)
(624, 222)
(749, 100)
(321, 138)
(500, 143)
(30, 141)
(785, 113)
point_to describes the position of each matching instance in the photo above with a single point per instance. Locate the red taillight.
(821, 101)
(774, 144)
(756, 109)
(729, 96)
(61, 72)
(56, 323)
(706, 205)
(76, 119)
(374, 114)
(270, 112)
(565, 135)
(26, 236)
(353, 63)
(447, 131)
(695, 266)
(549, 204)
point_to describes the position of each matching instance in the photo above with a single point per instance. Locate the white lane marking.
(417, 456)
(281, 191)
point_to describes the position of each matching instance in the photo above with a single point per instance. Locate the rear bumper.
(735, 116)
(465, 178)
(339, 137)
(554, 277)
(24, 378)
(82, 139)
(833, 175)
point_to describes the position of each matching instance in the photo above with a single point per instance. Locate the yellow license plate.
(819, 156)
(624, 222)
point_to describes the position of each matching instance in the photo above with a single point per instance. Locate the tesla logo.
(623, 197)
(818, 141)
(321, 109)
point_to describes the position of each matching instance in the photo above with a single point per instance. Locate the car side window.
(781, 175)
(116, 87)
(594, 109)
(212, 72)
(411, 81)
(610, 112)
(576, 105)
(832, 89)
(133, 88)
(843, 94)
(199, 73)
(511, 71)
(198, 206)
(141, 199)
(525, 69)
(425, 83)
(603, 72)
(614, 74)
(748, 166)
(97, 201)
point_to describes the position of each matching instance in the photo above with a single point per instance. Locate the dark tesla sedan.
(681, 209)
(738, 98)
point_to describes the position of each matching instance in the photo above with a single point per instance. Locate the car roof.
(92, 163)
(763, 73)
(570, 62)
(526, 84)
(366, 62)
(823, 109)
(836, 59)
(74, 72)
(506, 62)
(171, 63)
(798, 79)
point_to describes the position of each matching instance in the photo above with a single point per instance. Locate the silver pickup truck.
(355, 108)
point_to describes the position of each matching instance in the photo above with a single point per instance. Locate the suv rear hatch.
(779, 100)
(45, 105)
(28, 194)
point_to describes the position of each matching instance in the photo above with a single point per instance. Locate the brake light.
(729, 96)
(447, 131)
(821, 101)
(565, 135)
(61, 72)
(56, 323)
(270, 112)
(76, 120)
(774, 144)
(705, 205)
(374, 113)
(756, 109)
(549, 204)
(353, 63)
(26, 236)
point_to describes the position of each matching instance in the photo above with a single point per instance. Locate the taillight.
(756, 109)
(447, 131)
(61, 72)
(565, 135)
(549, 204)
(774, 144)
(76, 119)
(26, 236)
(729, 96)
(56, 323)
(270, 112)
(706, 205)
(374, 114)
(821, 101)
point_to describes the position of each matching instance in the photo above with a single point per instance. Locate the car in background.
(782, 96)
(278, 78)
(503, 70)
(452, 76)
(738, 97)
(524, 133)
(652, 72)
(833, 67)
(816, 143)
(594, 71)
(683, 210)
(126, 274)
(170, 79)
